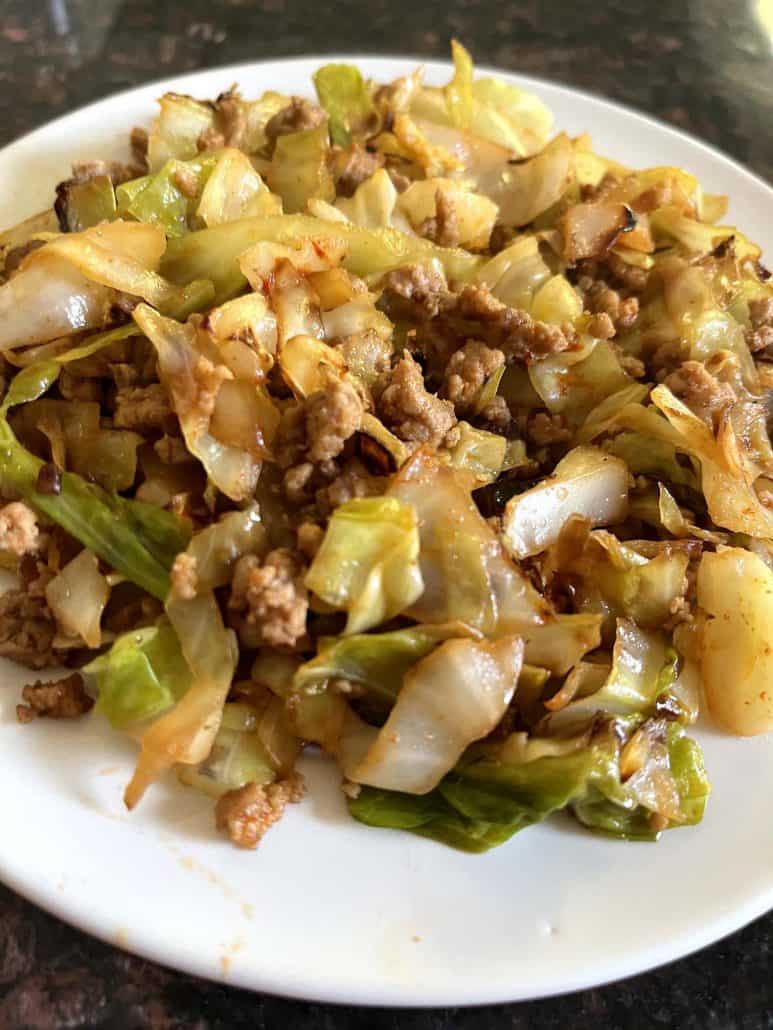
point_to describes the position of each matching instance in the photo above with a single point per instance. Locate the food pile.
(395, 424)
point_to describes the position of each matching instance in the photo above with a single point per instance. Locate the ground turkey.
(18, 529)
(408, 409)
(269, 596)
(60, 699)
(467, 372)
(760, 336)
(141, 407)
(299, 115)
(447, 321)
(700, 391)
(414, 293)
(353, 166)
(247, 813)
(332, 415)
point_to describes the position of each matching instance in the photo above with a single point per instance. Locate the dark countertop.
(706, 66)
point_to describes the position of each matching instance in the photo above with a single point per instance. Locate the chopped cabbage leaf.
(344, 95)
(238, 754)
(735, 591)
(528, 189)
(142, 675)
(458, 92)
(516, 273)
(730, 497)
(632, 687)
(377, 662)
(79, 205)
(482, 803)
(185, 734)
(466, 573)
(573, 383)
(234, 190)
(214, 254)
(471, 682)
(77, 596)
(671, 785)
(138, 540)
(374, 204)
(368, 561)
(474, 214)
(586, 482)
(298, 169)
(479, 452)
(194, 383)
(167, 198)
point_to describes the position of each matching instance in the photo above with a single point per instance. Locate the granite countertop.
(705, 66)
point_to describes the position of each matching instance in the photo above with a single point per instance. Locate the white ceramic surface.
(328, 909)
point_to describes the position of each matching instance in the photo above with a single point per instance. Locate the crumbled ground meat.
(186, 180)
(700, 391)
(351, 167)
(332, 416)
(607, 305)
(663, 358)
(467, 371)
(601, 326)
(443, 227)
(184, 576)
(116, 171)
(297, 484)
(247, 813)
(27, 629)
(314, 445)
(354, 480)
(414, 293)
(630, 364)
(78, 388)
(27, 625)
(207, 378)
(544, 429)
(141, 407)
(495, 416)
(501, 236)
(410, 410)
(614, 272)
(299, 115)
(138, 141)
(60, 699)
(124, 374)
(475, 313)
(625, 276)
(760, 335)
(271, 597)
(18, 529)
(309, 538)
(601, 189)
(230, 124)
(172, 450)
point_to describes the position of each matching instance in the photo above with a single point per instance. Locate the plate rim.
(679, 947)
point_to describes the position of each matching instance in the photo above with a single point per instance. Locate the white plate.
(328, 909)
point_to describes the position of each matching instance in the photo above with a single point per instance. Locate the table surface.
(706, 66)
